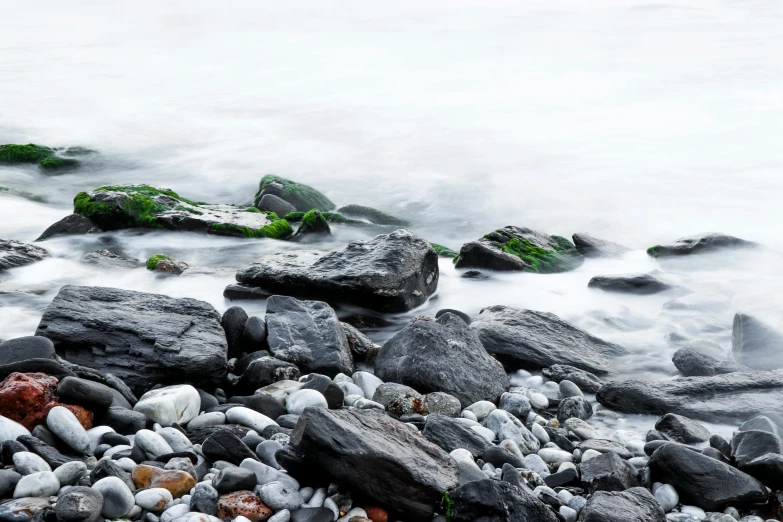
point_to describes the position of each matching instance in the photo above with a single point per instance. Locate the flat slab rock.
(729, 397)
(377, 456)
(640, 284)
(15, 254)
(529, 338)
(590, 246)
(389, 273)
(700, 244)
(144, 339)
(522, 249)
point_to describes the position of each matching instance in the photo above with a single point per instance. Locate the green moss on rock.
(278, 229)
(653, 251)
(302, 197)
(331, 217)
(45, 157)
(444, 251)
(152, 263)
(373, 215)
(313, 222)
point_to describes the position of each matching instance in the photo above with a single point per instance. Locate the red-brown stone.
(242, 503)
(377, 514)
(25, 397)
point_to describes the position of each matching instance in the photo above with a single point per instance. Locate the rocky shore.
(126, 405)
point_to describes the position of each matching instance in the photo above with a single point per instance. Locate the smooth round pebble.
(539, 401)
(40, 484)
(215, 418)
(117, 498)
(69, 473)
(153, 499)
(27, 462)
(299, 400)
(63, 423)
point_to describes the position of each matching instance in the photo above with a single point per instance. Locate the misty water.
(639, 122)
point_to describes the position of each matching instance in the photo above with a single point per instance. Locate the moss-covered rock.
(444, 251)
(514, 248)
(372, 215)
(303, 197)
(45, 157)
(166, 264)
(144, 206)
(313, 222)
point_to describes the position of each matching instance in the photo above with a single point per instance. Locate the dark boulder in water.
(522, 249)
(700, 244)
(693, 362)
(144, 339)
(641, 284)
(302, 197)
(313, 222)
(14, 254)
(70, 225)
(372, 215)
(389, 273)
(756, 345)
(47, 158)
(534, 339)
(590, 246)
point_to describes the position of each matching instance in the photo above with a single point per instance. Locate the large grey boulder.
(15, 253)
(590, 246)
(444, 355)
(307, 334)
(539, 339)
(389, 273)
(144, 339)
(693, 362)
(523, 249)
(756, 345)
(729, 397)
(377, 456)
(700, 244)
(632, 505)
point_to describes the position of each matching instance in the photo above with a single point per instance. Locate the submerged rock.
(540, 339)
(700, 244)
(166, 264)
(70, 225)
(108, 259)
(756, 345)
(143, 206)
(586, 381)
(442, 355)
(144, 339)
(15, 253)
(693, 362)
(372, 215)
(377, 456)
(514, 248)
(302, 197)
(590, 246)
(642, 284)
(313, 222)
(723, 397)
(47, 158)
(390, 273)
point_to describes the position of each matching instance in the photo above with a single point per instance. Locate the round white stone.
(694, 512)
(10, 430)
(117, 498)
(40, 484)
(66, 426)
(152, 444)
(539, 401)
(153, 499)
(215, 418)
(249, 418)
(467, 414)
(555, 456)
(487, 433)
(174, 512)
(176, 439)
(27, 463)
(568, 514)
(540, 433)
(667, 497)
(69, 473)
(280, 496)
(590, 454)
(481, 409)
(95, 435)
(367, 382)
(299, 400)
(180, 403)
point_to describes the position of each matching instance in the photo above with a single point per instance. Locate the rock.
(569, 389)
(667, 497)
(14, 254)
(24, 398)
(175, 481)
(200, 434)
(242, 503)
(514, 248)
(69, 473)
(540, 339)
(373, 453)
(498, 456)
(755, 344)
(23, 509)
(360, 345)
(239, 291)
(590, 246)
(153, 499)
(693, 362)
(389, 273)
(204, 497)
(585, 380)
(574, 407)
(319, 514)
(700, 244)
(313, 222)
(250, 418)
(748, 445)
(106, 259)
(633, 505)
(299, 400)
(516, 404)
(25, 348)
(254, 334)
(234, 479)
(279, 496)
(303, 197)
(90, 394)
(462, 315)
(604, 446)
(8, 481)
(272, 203)
(368, 382)
(143, 206)
(704, 481)
(124, 421)
(372, 215)
(144, 339)
(767, 468)
(70, 225)
(39, 484)
(443, 403)
(450, 434)
(152, 444)
(66, 426)
(233, 322)
(224, 445)
(492, 500)
(722, 397)
(52, 457)
(265, 371)
(399, 399)
(262, 403)
(171, 404)
(509, 427)
(117, 498)
(640, 284)
(308, 334)
(681, 429)
(442, 355)
(607, 472)
(79, 504)
(26, 463)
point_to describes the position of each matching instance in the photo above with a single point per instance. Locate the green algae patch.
(373, 215)
(653, 250)
(278, 229)
(444, 251)
(313, 222)
(302, 197)
(152, 263)
(45, 157)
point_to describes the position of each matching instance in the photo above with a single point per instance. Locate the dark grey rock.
(91, 395)
(702, 481)
(462, 315)
(108, 259)
(604, 446)
(723, 397)
(442, 355)
(124, 421)
(144, 339)
(497, 501)
(759, 422)
(681, 429)
(498, 456)
(693, 362)
(79, 504)
(199, 435)
(205, 497)
(302, 197)
(235, 292)
(14, 254)
(362, 348)
(25, 348)
(308, 334)
(320, 514)
(700, 244)
(577, 407)
(70, 225)
(234, 479)
(767, 468)
(590, 246)
(720, 444)
(634, 505)
(109, 468)
(756, 345)
(8, 480)
(334, 394)
(114, 439)
(207, 400)
(389, 273)
(377, 456)
(450, 434)
(223, 445)
(233, 322)
(47, 452)
(540, 339)
(607, 472)
(264, 371)
(586, 381)
(260, 402)
(566, 477)
(272, 203)
(495, 251)
(254, 335)
(640, 284)
(751, 444)
(241, 364)
(372, 215)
